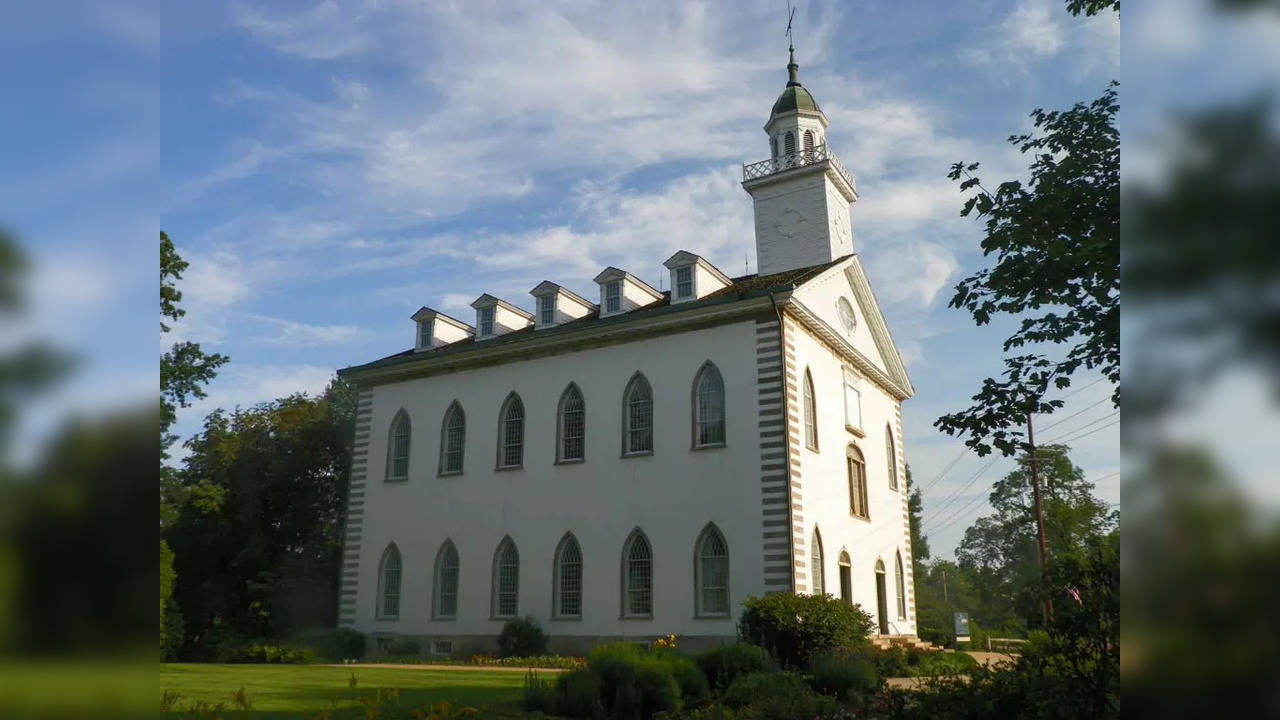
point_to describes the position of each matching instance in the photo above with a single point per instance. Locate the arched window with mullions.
(711, 573)
(810, 413)
(637, 576)
(571, 424)
(819, 584)
(506, 580)
(511, 433)
(637, 417)
(808, 145)
(389, 583)
(856, 467)
(453, 437)
(789, 143)
(446, 582)
(566, 602)
(900, 586)
(398, 448)
(708, 407)
(892, 454)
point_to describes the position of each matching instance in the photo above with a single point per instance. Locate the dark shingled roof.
(742, 288)
(794, 97)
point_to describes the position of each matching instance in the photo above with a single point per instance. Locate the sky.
(328, 168)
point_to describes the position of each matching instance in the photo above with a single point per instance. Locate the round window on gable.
(848, 319)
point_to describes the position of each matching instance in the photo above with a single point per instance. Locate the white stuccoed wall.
(800, 221)
(671, 495)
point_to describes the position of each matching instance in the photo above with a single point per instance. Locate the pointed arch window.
(856, 467)
(637, 417)
(567, 603)
(892, 454)
(511, 433)
(846, 578)
(712, 573)
(446, 582)
(571, 421)
(808, 145)
(810, 413)
(637, 576)
(819, 585)
(389, 583)
(506, 580)
(398, 448)
(900, 587)
(453, 435)
(708, 408)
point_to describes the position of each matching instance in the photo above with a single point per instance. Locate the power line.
(957, 515)
(944, 471)
(1060, 437)
(1081, 389)
(950, 499)
(1074, 414)
(1090, 432)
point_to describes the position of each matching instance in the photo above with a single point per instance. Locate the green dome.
(795, 97)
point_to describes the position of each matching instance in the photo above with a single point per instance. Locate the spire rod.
(793, 70)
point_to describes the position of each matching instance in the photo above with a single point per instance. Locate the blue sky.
(327, 168)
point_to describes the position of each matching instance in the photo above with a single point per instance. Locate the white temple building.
(628, 462)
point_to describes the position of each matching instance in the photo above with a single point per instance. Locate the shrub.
(540, 695)
(270, 653)
(579, 695)
(776, 696)
(333, 644)
(794, 627)
(522, 637)
(637, 681)
(724, 664)
(849, 676)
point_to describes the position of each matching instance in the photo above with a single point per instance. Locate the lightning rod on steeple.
(793, 70)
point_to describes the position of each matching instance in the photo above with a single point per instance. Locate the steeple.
(801, 193)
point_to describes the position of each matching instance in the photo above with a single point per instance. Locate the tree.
(999, 551)
(919, 541)
(265, 562)
(184, 370)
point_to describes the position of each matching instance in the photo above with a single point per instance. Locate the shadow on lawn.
(342, 704)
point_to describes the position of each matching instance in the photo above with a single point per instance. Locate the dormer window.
(684, 281)
(424, 334)
(547, 309)
(613, 296)
(485, 320)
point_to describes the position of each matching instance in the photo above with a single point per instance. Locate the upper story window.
(511, 433)
(708, 408)
(389, 583)
(547, 309)
(613, 296)
(398, 448)
(808, 143)
(637, 417)
(852, 401)
(684, 281)
(573, 425)
(453, 434)
(789, 143)
(810, 413)
(857, 471)
(889, 450)
(424, 334)
(485, 321)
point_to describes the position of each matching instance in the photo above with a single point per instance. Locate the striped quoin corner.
(355, 509)
(778, 437)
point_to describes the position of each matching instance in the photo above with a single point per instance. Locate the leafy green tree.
(919, 541)
(184, 370)
(266, 561)
(1000, 552)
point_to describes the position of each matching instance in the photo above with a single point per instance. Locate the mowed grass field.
(280, 692)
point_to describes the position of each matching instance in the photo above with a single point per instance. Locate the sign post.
(962, 627)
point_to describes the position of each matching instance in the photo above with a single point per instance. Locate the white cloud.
(247, 385)
(912, 272)
(327, 31)
(296, 334)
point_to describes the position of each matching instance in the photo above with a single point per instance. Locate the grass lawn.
(300, 691)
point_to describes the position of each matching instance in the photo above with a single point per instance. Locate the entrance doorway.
(882, 599)
(846, 578)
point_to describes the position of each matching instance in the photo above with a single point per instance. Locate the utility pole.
(1035, 491)
(944, 588)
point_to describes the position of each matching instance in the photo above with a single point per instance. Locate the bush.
(724, 664)
(522, 637)
(540, 695)
(334, 644)
(776, 696)
(849, 676)
(637, 681)
(794, 627)
(270, 653)
(578, 695)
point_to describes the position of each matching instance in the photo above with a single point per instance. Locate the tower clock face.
(847, 318)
